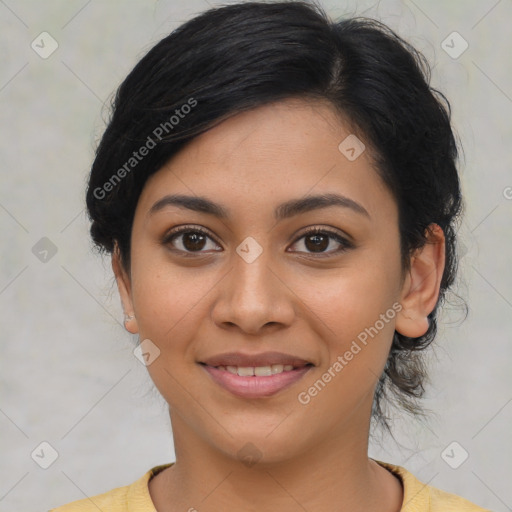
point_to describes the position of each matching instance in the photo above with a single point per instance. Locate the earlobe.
(124, 287)
(420, 290)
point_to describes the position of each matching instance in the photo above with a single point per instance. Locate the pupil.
(319, 242)
(197, 241)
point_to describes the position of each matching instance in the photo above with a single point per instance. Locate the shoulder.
(114, 500)
(133, 497)
(419, 497)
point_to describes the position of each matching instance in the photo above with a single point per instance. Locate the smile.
(256, 381)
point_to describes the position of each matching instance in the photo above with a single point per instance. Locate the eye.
(318, 240)
(190, 239)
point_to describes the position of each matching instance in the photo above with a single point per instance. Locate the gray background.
(68, 375)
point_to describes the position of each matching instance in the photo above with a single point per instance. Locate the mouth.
(255, 376)
(258, 371)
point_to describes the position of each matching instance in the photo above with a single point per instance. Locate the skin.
(290, 299)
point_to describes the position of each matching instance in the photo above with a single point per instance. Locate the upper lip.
(247, 360)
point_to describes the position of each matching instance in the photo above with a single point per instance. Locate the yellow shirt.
(418, 497)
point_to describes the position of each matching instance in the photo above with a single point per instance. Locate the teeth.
(277, 368)
(262, 371)
(258, 371)
(245, 371)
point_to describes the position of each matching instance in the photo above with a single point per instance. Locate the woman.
(279, 194)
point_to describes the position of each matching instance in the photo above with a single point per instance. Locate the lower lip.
(255, 387)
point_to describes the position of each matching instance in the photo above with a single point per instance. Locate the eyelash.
(344, 243)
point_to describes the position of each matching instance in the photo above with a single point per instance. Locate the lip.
(261, 359)
(255, 387)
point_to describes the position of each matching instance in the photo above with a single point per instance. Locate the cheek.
(170, 301)
(351, 298)
(357, 321)
(357, 306)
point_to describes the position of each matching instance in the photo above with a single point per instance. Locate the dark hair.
(238, 57)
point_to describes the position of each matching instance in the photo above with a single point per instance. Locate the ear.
(420, 290)
(124, 287)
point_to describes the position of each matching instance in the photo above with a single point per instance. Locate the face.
(291, 260)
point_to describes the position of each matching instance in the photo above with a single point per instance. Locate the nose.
(253, 297)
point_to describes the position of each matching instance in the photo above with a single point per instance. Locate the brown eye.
(319, 240)
(317, 243)
(190, 240)
(193, 241)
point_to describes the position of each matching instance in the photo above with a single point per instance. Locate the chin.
(255, 445)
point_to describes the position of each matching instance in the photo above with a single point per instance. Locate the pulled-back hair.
(238, 57)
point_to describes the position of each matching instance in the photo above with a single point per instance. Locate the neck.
(332, 472)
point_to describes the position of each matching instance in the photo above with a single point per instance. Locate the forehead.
(286, 130)
(270, 154)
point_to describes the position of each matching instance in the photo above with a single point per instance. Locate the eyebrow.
(283, 211)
